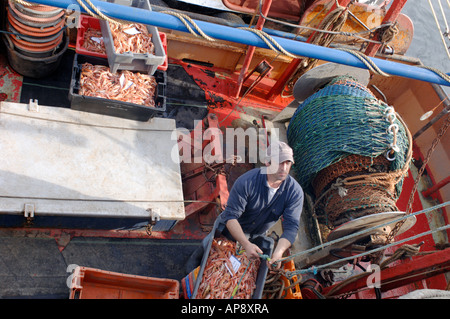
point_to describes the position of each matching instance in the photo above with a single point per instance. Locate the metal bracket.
(33, 106)
(28, 213)
(155, 214)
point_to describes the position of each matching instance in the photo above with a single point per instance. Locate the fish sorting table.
(62, 162)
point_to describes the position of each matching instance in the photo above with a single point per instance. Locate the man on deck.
(260, 197)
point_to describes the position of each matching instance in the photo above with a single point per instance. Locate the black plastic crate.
(114, 107)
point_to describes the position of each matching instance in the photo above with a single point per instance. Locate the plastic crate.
(293, 292)
(114, 107)
(188, 283)
(87, 22)
(265, 243)
(91, 283)
(164, 66)
(134, 61)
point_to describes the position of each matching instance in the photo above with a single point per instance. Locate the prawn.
(244, 278)
(93, 41)
(139, 42)
(98, 81)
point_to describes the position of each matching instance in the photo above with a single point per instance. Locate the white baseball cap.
(280, 149)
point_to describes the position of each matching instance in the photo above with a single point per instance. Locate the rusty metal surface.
(10, 82)
(287, 9)
(410, 271)
(33, 267)
(370, 16)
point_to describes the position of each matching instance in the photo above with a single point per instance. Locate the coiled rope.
(24, 3)
(275, 287)
(98, 14)
(271, 43)
(389, 33)
(351, 150)
(390, 29)
(334, 21)
(367, 61)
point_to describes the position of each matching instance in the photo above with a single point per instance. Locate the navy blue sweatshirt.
(248, 203)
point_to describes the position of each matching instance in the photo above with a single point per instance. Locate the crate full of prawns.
(133, 46)
(125, 94)
(227, 273)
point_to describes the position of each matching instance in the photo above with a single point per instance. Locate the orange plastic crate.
(294, 292)
(91, 283)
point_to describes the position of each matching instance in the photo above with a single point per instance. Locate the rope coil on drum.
(351, 151)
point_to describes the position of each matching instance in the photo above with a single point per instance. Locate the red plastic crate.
(163, 37)
(91, 283)
(87, 22)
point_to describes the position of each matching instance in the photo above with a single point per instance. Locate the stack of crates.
(153, 64)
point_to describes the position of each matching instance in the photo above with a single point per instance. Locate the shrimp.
(98, 81)
(131, 42)
(219, 282)
(93, 41)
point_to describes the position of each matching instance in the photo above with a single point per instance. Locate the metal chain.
(149, 227)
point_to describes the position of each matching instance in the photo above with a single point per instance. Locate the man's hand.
(251, 250)
(282, 246)
(275, 260)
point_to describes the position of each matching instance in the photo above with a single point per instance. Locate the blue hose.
(246, 37)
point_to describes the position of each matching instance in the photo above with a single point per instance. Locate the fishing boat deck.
(192, 92)
(74, 241)
(23, 277)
